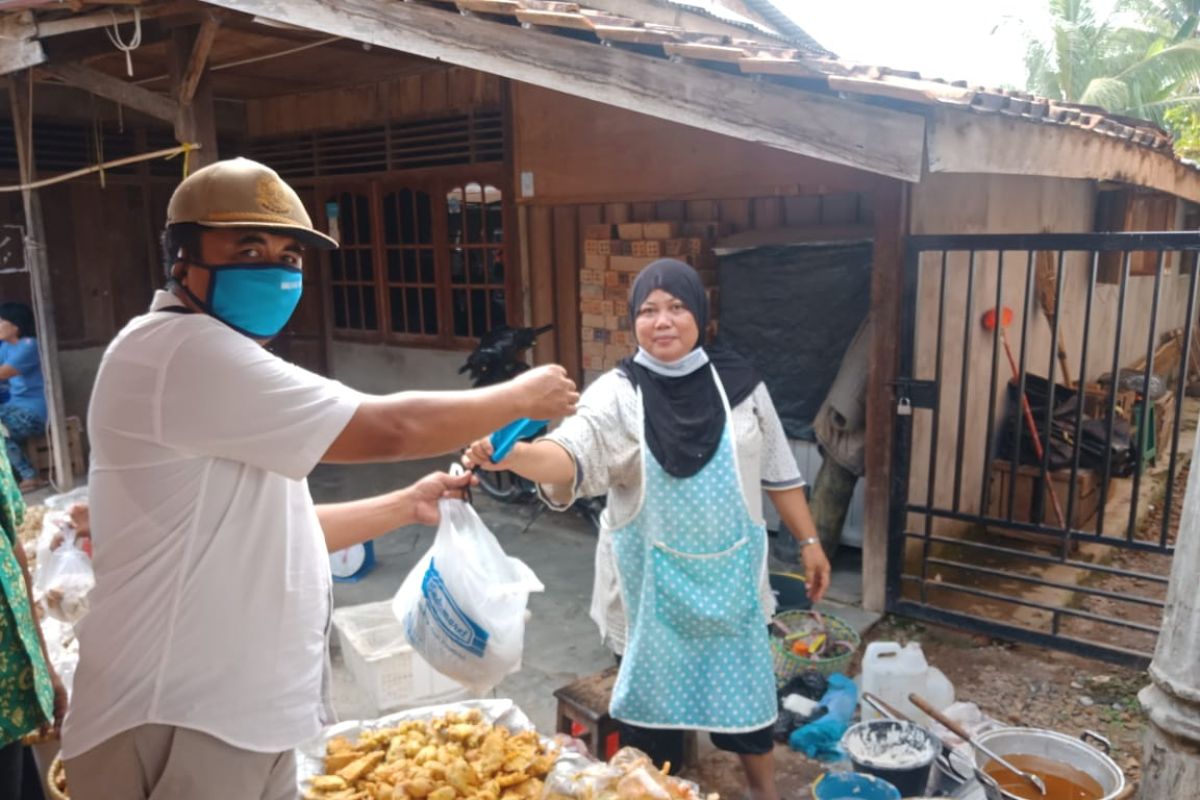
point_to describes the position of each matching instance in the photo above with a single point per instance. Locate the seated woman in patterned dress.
(682, 439)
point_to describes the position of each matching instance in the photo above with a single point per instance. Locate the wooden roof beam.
(105, 19)
(873, 139)
(198, 60)
(115, 89)
(967, 141)
(19, 54)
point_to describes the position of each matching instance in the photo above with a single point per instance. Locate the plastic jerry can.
(892, 673)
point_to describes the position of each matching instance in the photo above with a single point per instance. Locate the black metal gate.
(1044, 435)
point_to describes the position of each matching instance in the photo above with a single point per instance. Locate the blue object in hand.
(821, 738)
(504, 439)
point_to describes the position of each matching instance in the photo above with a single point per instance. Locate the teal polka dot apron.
(697, 655)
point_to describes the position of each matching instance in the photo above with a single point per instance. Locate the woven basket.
(788, 665)
(56, 777)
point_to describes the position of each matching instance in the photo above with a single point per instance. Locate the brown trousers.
(163, 762)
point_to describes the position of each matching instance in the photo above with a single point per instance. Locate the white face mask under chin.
(676, 369)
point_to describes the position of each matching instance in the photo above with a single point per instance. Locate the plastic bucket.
(853, 786)
(902, 753)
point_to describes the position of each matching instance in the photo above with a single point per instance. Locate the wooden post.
(196, 121)
(1171, 763)
(20, 87)
(891, 222)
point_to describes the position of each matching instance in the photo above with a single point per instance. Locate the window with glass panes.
(352, 265)
(424, 261)
(475, 225)
(411, 278)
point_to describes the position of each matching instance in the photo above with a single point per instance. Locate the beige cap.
(240, 193)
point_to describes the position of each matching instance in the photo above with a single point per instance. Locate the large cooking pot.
(1055, 747)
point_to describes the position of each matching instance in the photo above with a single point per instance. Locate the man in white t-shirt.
(203, 658)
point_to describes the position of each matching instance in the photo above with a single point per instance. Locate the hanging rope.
(114, 36)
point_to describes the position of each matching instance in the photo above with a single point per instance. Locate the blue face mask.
(256, 300)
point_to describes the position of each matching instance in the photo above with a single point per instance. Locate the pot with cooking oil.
(1071, 768)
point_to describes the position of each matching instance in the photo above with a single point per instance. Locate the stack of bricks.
(613, 256)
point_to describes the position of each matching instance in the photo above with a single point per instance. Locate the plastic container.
(899, 752)
(892, 673)
(384, 664)
(853, 786)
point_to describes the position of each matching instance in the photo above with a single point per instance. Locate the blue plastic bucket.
(853, 786)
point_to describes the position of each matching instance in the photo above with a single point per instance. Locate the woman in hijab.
(682, 438)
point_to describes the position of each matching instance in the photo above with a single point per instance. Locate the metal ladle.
(959, 731)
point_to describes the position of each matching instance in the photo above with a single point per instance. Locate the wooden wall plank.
(643, 212)
(89, 208)
(616, 213)
(839, 209)
(580, 152)
(462, 94)
(736, 213)
(567, 258)
(64, 262)
(492, 92)
(541, 280)
(129, 288)
(886, 298)
(405, 96)
(670, 211)
(435, 91)
(768, 213)
(701, 210)
(802, 210)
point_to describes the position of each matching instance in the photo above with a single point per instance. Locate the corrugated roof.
(785, 25)
(815, 71)
(782, 24)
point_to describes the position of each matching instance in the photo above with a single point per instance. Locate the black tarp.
(793, 311)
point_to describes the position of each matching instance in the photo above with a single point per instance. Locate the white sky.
(980, 41)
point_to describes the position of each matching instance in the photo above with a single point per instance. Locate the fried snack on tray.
(454, 757)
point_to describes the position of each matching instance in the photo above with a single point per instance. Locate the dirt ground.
(1018, 685)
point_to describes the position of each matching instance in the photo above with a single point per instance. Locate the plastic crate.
(384, 664)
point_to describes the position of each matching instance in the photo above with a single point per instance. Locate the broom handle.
(1062, 363)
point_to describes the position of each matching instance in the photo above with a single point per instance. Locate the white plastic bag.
(463, 605)
(56, 527)
(66, 579)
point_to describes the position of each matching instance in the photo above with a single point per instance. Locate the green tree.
(1142, 59)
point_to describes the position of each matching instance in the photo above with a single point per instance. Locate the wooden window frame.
(368, 190)
(484, 247)
(437, 182)
(428, 187)
(1133, 210)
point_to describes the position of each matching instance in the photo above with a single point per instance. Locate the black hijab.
(684, 415)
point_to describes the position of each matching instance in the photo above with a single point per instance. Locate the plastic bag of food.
(56, 527)
(463, 605)
(630, 775)
(66, 579)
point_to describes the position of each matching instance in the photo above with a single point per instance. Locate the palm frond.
(1111, 94)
